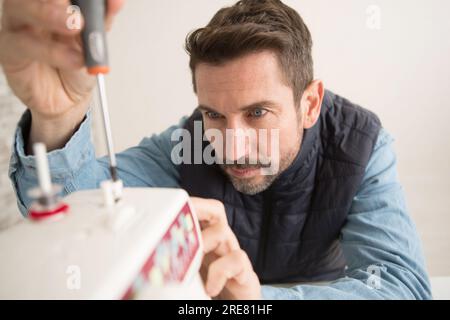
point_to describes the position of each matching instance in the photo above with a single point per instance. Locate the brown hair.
(252, 26)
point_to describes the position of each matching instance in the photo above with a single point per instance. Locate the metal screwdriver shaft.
(107, 125)
(96, 56)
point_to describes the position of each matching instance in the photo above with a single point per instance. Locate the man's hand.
(42, 59)
(226, 269)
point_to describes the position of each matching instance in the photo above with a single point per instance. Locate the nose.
(239, 140)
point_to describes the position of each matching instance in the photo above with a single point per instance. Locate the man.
(332, 211)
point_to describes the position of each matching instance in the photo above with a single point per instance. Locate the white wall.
(401, 71)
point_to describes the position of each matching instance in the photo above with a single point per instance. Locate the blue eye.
(213, 115)
(257, 113)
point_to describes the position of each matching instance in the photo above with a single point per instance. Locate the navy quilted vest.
(291, 231)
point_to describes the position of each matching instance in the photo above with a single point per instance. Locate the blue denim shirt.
(379, 240)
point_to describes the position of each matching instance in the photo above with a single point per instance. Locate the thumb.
(113, 8)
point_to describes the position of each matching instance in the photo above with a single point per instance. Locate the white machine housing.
(150, 239)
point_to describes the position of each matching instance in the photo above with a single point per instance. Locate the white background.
(401, 72)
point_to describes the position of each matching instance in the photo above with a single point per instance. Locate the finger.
(23, 46)
(50, 15)
(206, 261)
(219, 238)
(209, 210)
(71, 41)
(235, 265)
(113, 8)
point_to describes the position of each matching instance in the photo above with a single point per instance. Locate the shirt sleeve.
(75, 167)
(379, 240)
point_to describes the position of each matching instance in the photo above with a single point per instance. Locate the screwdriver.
(96, 57)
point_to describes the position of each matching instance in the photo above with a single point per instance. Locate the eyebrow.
(264, 103)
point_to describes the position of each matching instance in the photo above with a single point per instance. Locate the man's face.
(246, 95)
